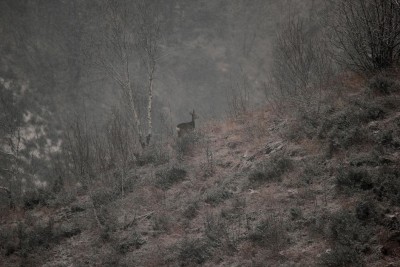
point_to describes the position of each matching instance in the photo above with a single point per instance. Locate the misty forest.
(199, 133)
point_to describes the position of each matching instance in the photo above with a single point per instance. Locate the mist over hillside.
(206, 47)
(199, 133)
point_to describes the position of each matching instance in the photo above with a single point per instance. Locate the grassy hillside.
(264, 189)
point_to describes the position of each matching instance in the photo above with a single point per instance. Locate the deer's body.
(186, 127)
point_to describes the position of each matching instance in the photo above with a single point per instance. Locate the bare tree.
(118, 138)
(367, 32)
(129, 43)
(78, 149)
(149, 37)
(301, 69)
(238, 95)
(10, 141)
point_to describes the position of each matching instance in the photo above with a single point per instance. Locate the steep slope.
(259, 190)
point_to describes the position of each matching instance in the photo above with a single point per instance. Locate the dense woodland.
(294, 155)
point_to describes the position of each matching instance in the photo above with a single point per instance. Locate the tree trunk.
(150, 104)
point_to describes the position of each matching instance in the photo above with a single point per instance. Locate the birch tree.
(129, 42)
(148, 45)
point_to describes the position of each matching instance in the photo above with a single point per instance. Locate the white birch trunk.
(150, 105)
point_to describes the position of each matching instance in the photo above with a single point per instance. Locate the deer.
(186, 127)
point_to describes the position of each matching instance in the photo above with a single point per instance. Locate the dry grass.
(298, 207)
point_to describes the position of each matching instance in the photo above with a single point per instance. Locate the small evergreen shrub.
(134, 241)
(193, 251)
(217, 195)
(166, 178)
(382, 84)
(270, 233)
(271, 170)
(354, 178)
(191, 211)
(38, 197)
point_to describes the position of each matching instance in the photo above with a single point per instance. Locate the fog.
(206, 47)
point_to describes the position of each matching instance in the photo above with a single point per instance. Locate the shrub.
(103, 196)
(67, 230)
(271, 170)
(191, 211)
(296, 213)
(346, 229)
(312, 171)
(382, 84)
(390, 136)
(344, 128)
(388, 185)
(161, 223)
(359, 30)
(37, 197)
(354, 179)
(341, 256)
(365, 210)
(319, 221)
(31, 238)
(184, 144)
(134, 240)
(348, 236)
(215, 230)
(270, 233)
(9, 240)
(217, 195)
(166, 178)
(193, 251)
(153, 155)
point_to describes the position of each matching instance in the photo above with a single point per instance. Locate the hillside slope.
(259, 190)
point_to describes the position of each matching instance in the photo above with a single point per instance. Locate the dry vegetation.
(253, 191)
(310, 179)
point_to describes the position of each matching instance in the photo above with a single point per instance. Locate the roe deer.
(186, 127)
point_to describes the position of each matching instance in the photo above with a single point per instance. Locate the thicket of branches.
(360, 35)
(367, 32)
(126, 46)
(301, 68)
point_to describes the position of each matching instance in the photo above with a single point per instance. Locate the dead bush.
(360, 27)
(185, 144)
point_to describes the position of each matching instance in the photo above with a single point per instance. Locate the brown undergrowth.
(263, 189)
